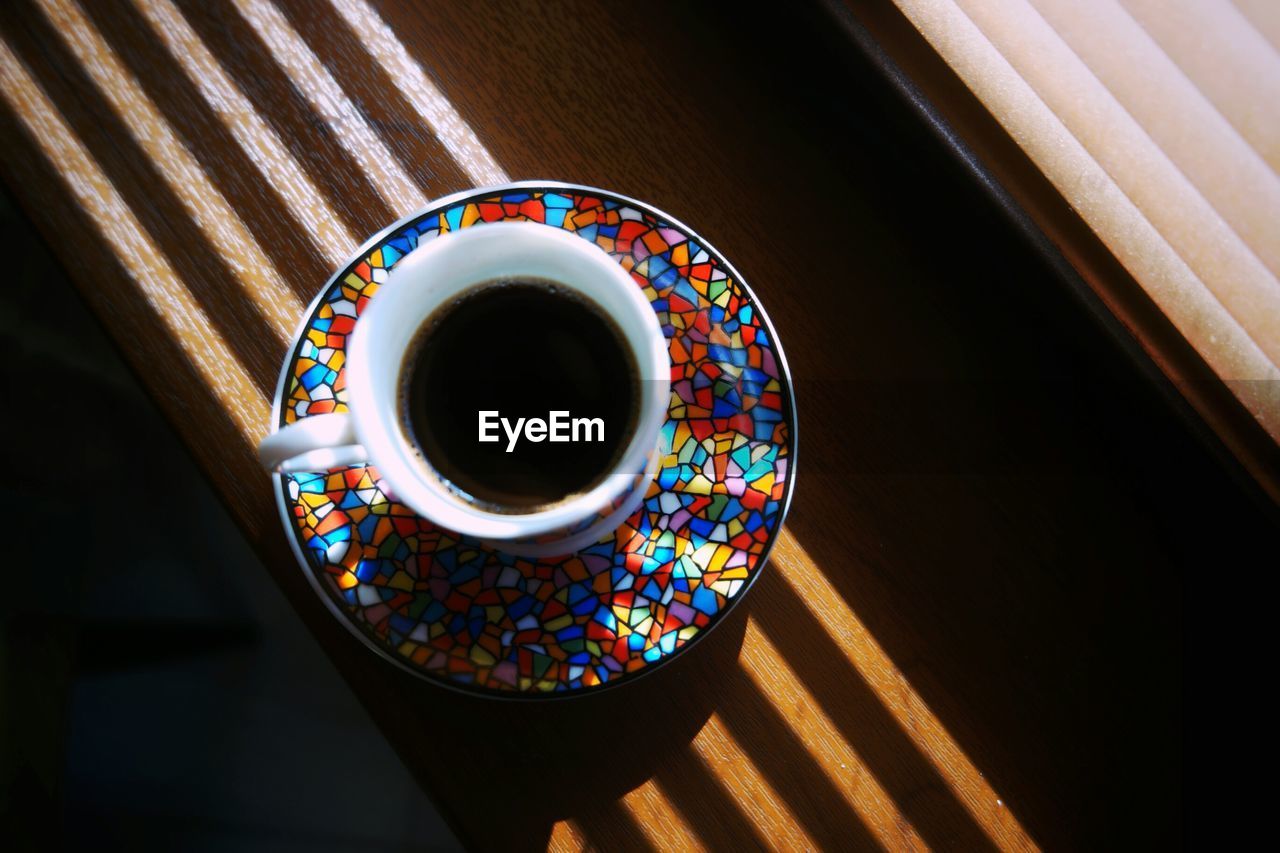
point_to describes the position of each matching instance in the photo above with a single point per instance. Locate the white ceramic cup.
(372, 430)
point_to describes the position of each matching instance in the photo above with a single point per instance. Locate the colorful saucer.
(448, 609)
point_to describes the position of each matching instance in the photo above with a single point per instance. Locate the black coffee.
(540, 373)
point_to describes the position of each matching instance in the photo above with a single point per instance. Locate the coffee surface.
(519, 350)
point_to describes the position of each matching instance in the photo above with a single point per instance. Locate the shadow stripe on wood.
(925, 730)
(775, 680)
(204, 204)
(333, 107)
(149, 268)
(261, 145)
(426, 99)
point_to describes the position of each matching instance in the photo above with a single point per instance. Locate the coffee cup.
(514, 307)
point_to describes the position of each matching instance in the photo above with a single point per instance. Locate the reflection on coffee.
(494, 380)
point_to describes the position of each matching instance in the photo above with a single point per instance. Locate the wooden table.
(970, 631)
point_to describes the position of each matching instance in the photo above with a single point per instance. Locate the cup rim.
(411, 478)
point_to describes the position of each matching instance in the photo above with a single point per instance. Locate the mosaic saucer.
(448, 609)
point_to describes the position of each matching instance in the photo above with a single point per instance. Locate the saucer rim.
(286, 372)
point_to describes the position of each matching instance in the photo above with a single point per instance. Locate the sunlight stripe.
(258, 141)
(425, 97)
(145, 263)
(726, 760)
(660, 825)
(925, 730)
(777, 682)
(567, 836)
(663, 826)
(334, 108)
(207, 207)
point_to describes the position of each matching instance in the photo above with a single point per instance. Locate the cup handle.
(317, 443)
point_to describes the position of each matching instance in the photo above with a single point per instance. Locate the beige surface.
(1265, 17)
(1156, 121)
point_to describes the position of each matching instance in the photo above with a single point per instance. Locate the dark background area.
(157, 691)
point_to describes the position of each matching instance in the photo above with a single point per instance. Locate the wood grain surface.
(969, 635)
